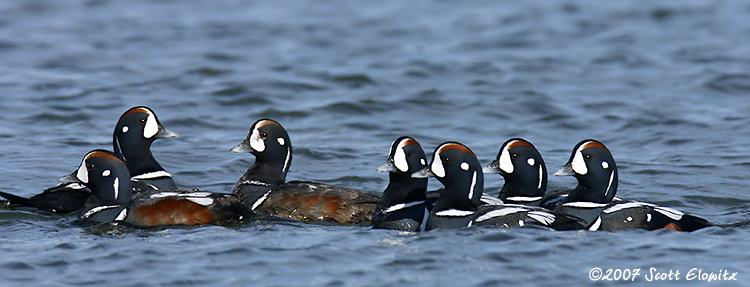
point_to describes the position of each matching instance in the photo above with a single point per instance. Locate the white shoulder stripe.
(98, 209)
(260, 200)
(151, 175)
(122, 215)
(454, 212)
(597, 223)
(499, 213)
(403, 206)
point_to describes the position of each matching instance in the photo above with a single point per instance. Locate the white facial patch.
(465, 165)
(83, 174)
(531, 161)
(125, 129)
(151, 128)
(605, 165)
(578, 165)
(399, 160)
(505, 164)
(281, 141)
(437, 167)
(256, 142)
(106, 173)
(422, 161)
(116, 186)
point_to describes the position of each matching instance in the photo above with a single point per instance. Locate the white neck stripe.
(255, 182)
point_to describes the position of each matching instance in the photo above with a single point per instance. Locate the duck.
(522, 167)
(404, 204)
(265, 190)
(113, 199)
(133, 135)
(458, 204)
(593, 203)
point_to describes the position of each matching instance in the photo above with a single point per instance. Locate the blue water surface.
(664, 84)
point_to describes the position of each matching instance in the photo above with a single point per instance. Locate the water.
(663, 84)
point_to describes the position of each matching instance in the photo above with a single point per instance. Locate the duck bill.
(423, 173)
(242, 147)
(565, 170)
(388, 167)
(165, 133)
(493, 167)
(70, 178)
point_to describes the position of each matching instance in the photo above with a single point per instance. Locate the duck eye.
(514, 155)
(587, 156)
(143, 121)
(264, 134)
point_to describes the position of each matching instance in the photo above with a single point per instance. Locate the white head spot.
(506, 164)
(125, 129)
(578, 165)
(531, 161)
(422, 161)
(106, 173)
(281, 141)
(256, 142)
(605, 165)
(465, 165)
(151, 128)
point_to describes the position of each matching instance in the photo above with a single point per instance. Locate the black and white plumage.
(133, 135)
(458, 169)
(264, 190)
(523, 170)
(593, 203)
(404, 204)
(112, 198)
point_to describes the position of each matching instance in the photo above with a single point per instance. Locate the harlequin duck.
(136, 129)
(458, 169)
(404, 204)
(112, 198)
(523, 169)
(525, 175)
(263, 189)
(592, 203)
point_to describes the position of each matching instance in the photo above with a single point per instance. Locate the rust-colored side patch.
(313, 207)
(673, 227)
(171, 211)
